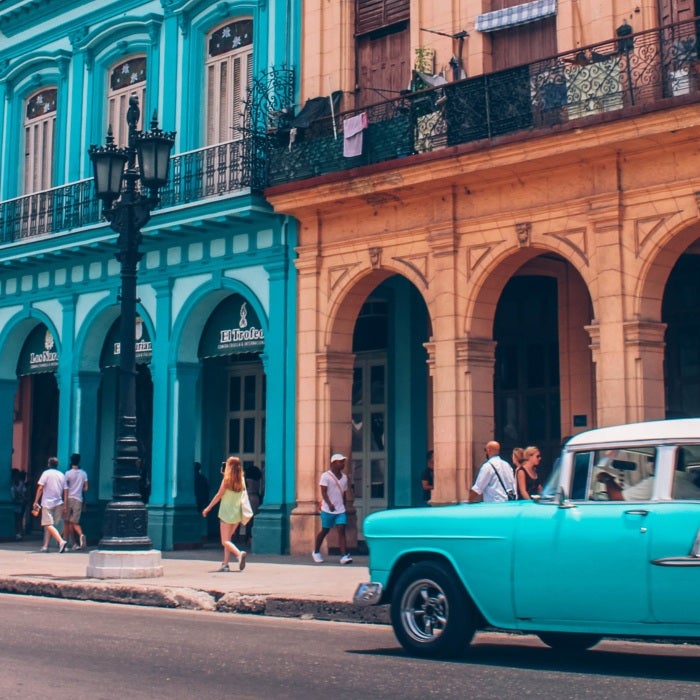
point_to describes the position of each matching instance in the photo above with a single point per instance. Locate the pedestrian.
(49, 501)
(18, 493)
(427, 477)
(334, 486)
(517, 457)
(526, 474)
(76, 485)
(253, 483)
(201, 487)
(230, 494)
(495, 480)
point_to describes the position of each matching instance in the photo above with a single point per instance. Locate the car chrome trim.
(367, 594)
(677, 561)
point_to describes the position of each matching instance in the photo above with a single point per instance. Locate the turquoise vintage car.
(612, 547)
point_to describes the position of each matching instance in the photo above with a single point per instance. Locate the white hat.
(337, 457)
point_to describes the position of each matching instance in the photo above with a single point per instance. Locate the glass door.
(369, 448)
(245, 419)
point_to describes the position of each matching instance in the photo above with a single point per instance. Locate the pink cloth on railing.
(352, 134)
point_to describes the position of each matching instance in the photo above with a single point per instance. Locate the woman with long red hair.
(230, 494)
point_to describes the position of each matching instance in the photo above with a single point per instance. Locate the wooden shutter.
(371, 15)
(671, 11)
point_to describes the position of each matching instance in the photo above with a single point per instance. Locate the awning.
(513, 16)
(111, 350)
(232, 329)
(38, 354)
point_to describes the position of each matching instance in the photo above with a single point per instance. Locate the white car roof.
(659, 431)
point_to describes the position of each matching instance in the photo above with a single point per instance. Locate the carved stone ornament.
(375, 258)
(523, 230)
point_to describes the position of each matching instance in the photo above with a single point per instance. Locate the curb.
(195, 599)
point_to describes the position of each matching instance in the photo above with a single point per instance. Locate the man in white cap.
(334, 485)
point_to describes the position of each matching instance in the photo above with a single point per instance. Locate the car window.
(622, 474)
(582, 464)
(686, 478)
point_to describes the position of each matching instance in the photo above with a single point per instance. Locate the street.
(73, 649)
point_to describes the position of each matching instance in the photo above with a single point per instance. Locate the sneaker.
(75, 548)
(83, 542)
(346, 559)
(44, 549)
(63, 546)
(318, 557)
(224, 567)
(241, 561)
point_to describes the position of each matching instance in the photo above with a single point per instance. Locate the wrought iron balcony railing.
(631, 70)
(207, 172)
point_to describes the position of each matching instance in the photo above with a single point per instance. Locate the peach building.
(526, 267)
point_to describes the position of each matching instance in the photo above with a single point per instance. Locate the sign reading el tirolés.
(143, 347)
(233, 328)
(39, 354)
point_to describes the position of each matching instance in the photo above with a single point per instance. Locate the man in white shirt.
(334, 485)
(49, 492)
(495, 481)
(76, 486)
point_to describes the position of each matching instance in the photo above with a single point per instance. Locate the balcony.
(214, 171)
(610, 80)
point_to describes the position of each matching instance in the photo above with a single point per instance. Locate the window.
(124, 79)
(383, 49)
(39, 136)
(622, 474)
(229, 70)
(686, 478)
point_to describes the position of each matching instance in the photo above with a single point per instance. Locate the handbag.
(509, 493)
(246, 508)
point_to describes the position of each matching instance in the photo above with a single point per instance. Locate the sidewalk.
(283, 586)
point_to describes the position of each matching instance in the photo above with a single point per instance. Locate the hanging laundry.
(352, 134)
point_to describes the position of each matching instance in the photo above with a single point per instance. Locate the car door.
(584, 559)
(675, 543)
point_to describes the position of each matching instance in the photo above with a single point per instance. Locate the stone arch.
(344, 308)
(15, 334)
(656, 269)
(194, 314)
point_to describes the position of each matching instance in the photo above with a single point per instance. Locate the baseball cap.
(337, 457)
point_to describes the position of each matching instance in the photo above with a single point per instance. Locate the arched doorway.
(234, 391)
(391, 420)
(35, 430)
(543, 378)
(681, 314)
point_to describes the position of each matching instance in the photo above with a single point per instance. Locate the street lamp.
(128, 209)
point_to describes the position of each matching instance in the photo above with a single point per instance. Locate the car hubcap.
(424, 610)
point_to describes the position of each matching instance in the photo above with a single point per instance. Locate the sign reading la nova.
(39, 354)
(233, 328)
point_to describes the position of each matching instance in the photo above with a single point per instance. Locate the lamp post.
(128, 208)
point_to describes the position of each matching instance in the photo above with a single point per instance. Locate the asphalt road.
(76, 650)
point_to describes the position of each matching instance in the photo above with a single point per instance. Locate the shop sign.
(111, 352)
(39, 355)
(232, 329)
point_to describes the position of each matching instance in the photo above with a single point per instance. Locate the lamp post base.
(107, 563)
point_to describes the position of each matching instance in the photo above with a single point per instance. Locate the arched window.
(125, 78)
(229, 70)
(39, 136)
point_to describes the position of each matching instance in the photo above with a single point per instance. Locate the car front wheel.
(569, 642)
(430, 612)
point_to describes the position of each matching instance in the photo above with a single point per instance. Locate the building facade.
(512, 251)
(215, 337)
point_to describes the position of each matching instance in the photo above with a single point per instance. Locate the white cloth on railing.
(352, 134)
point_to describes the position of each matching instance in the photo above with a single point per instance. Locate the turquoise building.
(215, 334)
